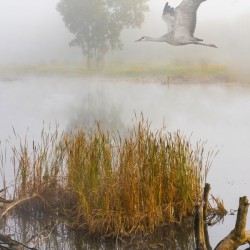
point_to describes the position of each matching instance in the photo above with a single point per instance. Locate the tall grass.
(39, 169)
(109, 185)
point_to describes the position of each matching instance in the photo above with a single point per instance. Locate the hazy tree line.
(97, 24)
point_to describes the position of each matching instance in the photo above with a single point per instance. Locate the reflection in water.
(35, 230)
(217, 113)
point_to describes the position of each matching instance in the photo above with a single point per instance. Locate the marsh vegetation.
(111, 186)
(100, 180)
(75, 190)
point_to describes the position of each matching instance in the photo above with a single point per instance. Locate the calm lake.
(216, 113)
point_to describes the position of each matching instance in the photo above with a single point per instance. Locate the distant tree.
(97, 24)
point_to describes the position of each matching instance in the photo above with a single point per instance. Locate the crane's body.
(181, 23)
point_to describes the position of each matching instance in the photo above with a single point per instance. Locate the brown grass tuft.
(111, 186)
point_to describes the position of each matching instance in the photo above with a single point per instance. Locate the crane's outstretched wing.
(185, 18)
(168, 16)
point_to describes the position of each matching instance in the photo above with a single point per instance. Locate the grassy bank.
(164, 73)
(111, 186)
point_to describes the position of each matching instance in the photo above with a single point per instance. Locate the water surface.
(218, 113)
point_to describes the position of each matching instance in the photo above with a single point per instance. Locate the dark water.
(42, 233)
(217, 113)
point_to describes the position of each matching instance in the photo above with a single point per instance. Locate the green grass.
(141, 70)
(112, 186)
(123, 70)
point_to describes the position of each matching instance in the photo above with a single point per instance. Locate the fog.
(219, 22)
(219, 114)
(33, 32)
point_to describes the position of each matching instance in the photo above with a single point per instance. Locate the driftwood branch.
(238, 236)
(10, 205)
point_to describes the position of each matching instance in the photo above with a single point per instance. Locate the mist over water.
(219, 114)
(32, 32)
(216, 113)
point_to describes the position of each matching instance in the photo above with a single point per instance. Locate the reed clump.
(39, 170)
(113, 186)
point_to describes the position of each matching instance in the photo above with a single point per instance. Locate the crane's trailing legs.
(208, 45)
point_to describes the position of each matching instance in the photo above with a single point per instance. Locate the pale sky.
(211, 9)
(33, 29)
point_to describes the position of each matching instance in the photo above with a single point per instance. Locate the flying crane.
(181, 23)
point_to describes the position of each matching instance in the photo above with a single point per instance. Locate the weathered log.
(207, 189)
(199, 228)
(207, 241)
(238, 236)
(205, 200)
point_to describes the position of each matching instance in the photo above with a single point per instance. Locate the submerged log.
(238, 236)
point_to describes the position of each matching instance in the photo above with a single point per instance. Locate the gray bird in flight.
(181, 23)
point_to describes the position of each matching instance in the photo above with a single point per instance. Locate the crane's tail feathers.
(139, 40)
(199, 40)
